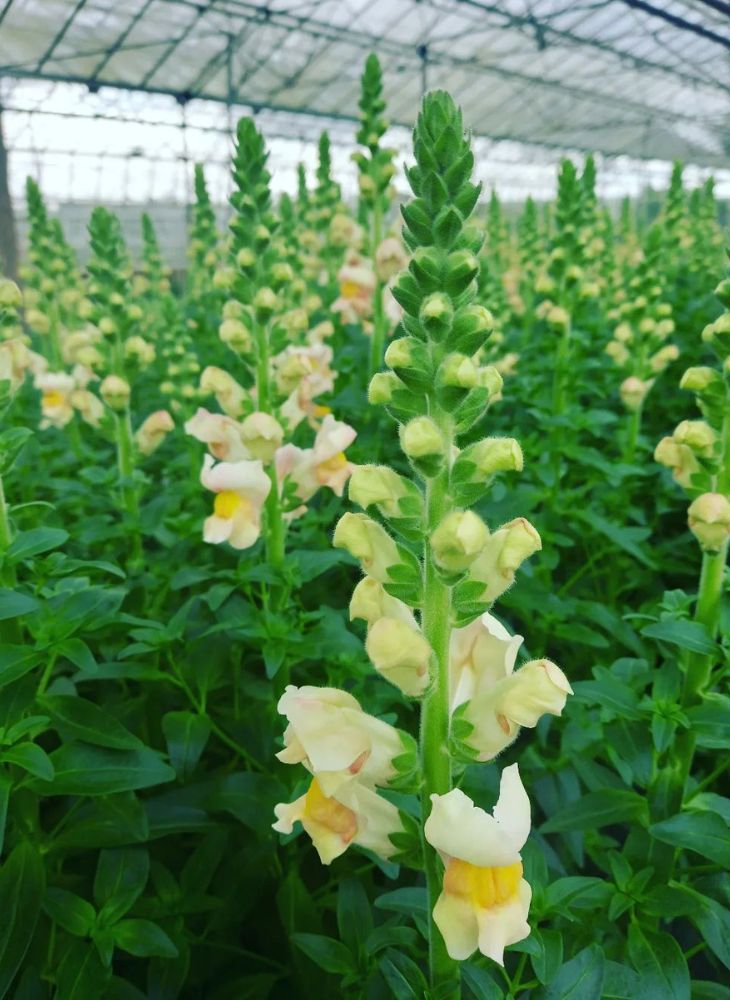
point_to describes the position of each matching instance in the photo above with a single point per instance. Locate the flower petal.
(456, 919)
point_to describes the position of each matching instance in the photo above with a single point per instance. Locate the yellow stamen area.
(329, 813)
(483, 887)
(350, 290)
(321, 411)
(331, 467)
(53, 397)
(227, 503)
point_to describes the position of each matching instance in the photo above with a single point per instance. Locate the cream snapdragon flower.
(56, 389)
(355, 815)
(241, 489)
(222, 435)
(485, 900)
(335, 739)
(325, 464)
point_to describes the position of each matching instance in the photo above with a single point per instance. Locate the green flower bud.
(367, 542)
(422, 437)
(462, 267)
(471, 329)
(458, 540)
(492, 455)
(459, 371)
(700, 378)
(709, 520)
(697, 435)
(265, 302)
(436, 313)
(381, 388)
(115, 392)
(491, 380)
(723, 292)
(10, 295)
(378, 485)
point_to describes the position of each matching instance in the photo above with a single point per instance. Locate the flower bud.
(367, 542)
(400, 653)
(492, 455)
(399, 353)
(224, 277)
(697, 435)
(228, 392)
(558, 317)
(152, 432)
(370, 601)
(617, 352)
(491, 380)
(262, 435)
(471, 329)
(623, 333)
(381, 388)
(281, 274)
(709, 520)
(379, 485)
(115, 392)
(459, 371)
(234, 333)
(663, 357)
(501, 557)
(233, 309)
(37, 320)
(664, 327)
(390, 258)
(462, 267)
(139, 350)
(700, 378)
(521, 699)
(634, 391)
(458, 540)
(10, 295)
(677, 457)
(422, 437)
(723, 292)
(436, 313)
(265, 302)
(107, 326)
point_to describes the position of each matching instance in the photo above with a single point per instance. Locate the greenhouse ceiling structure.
(640, 82)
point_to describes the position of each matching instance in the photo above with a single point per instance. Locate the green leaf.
(579, 979)
(32, 543)
(597, 809)
(480, 983)
(326, 952)
(22, 884)
(711, 802)
(13, 604)
(580, 892)
(31, 758)
(705, 833)
(619, 983)
(5, 788)
(354, 917)
(610, 692)
(409, 901)
(15, 662)
(81, 975)
(662, 968)
(74, 914)
(710, 722)
(683, 633)
(626, 538)
(703, 990)
(121, 875)
(186, 734)
(81, 719)
(82, 769)
(143, 938)
(549, 958)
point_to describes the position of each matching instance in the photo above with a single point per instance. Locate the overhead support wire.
(6, 9)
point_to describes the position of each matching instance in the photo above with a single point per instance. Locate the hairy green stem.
(378, 338)
(130, 499)
(632, 434)
(435, 760)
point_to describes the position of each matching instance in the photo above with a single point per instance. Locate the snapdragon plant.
(432, 571)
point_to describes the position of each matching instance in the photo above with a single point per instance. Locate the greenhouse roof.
(648, 80)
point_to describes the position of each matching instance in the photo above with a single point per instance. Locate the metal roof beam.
(679, 22)
(60, 35)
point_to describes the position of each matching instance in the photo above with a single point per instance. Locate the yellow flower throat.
(483, 887)
(227, 503)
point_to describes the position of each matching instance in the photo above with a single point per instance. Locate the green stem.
(12, 629)
(378, 338)
(435, 761)
(561, 362)
(632, 435)
(130, 499)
